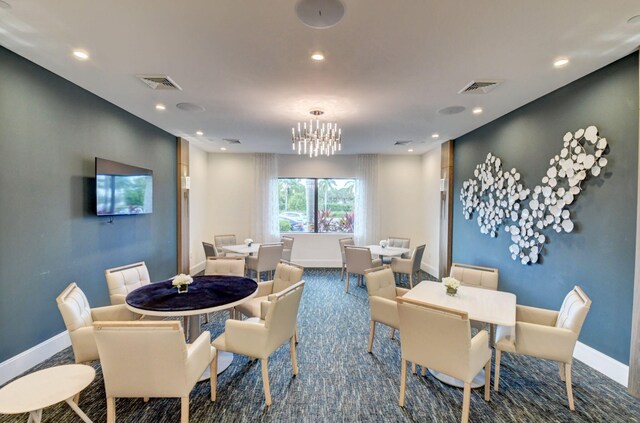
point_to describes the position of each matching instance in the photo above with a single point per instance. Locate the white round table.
(161, 297)
(41, 389)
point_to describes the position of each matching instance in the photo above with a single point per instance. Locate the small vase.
(452, 292)
(183, 289)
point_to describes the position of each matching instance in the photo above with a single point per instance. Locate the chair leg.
(145, 399)
(411, 280)
(567, 375)
(184, 410)
(111, 410)
(466, 399)
(424, 371)
(346, 287)
(372, 331)
(342, 273)
(294, 360)
(562, 372)
(265, 381)
(487, 380)
(403, 381)
(206, 317)
(213, 379)
(297, 335)
(393, 332)
(413, 368)
(496, 376)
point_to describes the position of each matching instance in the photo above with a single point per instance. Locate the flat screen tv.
(122, 189)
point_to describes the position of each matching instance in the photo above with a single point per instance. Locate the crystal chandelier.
(316, 139)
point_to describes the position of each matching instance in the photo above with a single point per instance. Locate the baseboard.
(318, 263)
(22, 362)
(199, 267)
(603, 363)
(429, 269)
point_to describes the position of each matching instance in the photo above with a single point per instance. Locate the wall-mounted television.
(122, 189)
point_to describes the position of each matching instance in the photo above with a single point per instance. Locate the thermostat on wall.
(442, 185)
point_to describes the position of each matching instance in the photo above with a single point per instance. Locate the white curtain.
(366, 208)
(266, 227)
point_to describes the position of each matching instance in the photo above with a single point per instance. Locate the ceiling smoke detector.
(320, 14)
(479, 87)
(190, 107)
(159, 82)
(316, 112)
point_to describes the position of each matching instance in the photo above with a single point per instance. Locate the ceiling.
(389, 66)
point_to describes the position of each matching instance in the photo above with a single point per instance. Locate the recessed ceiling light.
(223, 148)
(410, 150)
(317, 57)
(160, 107)
(634, 19)
(435, 135)
(477, 110)
(199, 133)
(80, 54)
(561, 62)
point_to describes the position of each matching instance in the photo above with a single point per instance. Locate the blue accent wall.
(50, 133)
(599, 255)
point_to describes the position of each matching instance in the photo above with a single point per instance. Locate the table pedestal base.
(224, 361)
(477, 382)
(36, 415)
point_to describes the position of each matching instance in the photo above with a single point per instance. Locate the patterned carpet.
(340, 382)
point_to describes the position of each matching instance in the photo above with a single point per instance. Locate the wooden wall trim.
(446, 207)
(183, 264)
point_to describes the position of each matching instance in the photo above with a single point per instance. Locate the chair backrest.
(142, 359)
(574, 310)
(358, 259)
(286, 275)
(224, 266)
(209, 250)
(416, 256)
(434, 336)
(287, 242)
(381, 282)
(343, 243)
(74, 307)
(124, 279)
(475, 276)
(222, 240)
(282, 314)
(269, 255)
(394, 241)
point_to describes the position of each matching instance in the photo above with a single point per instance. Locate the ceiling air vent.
(403, 142)
(479, 87)
(159, 82)
(231, 141)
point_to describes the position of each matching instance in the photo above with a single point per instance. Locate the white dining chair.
(287, 242)
(221, 241)
(343, 242)
(409, 266)
(124, 279)
(358, 260)
(269, 255)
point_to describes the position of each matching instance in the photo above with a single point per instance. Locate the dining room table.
(483, 305)
(242, 249)
(206, 294)
(378, 250)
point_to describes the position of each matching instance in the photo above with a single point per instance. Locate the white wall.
(198, 168)
(431, 209)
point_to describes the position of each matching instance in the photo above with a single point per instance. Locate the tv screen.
(122, 189)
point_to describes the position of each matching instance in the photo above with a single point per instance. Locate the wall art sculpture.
(499, 196)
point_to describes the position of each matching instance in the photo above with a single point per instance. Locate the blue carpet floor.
(340, 382)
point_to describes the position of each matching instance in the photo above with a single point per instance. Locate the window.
(322, 205)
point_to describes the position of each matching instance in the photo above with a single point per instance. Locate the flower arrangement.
(452, 285)
(182, 282)
(248, 241)
(384, 243)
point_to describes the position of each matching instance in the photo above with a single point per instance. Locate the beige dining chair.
(224, 266)
(269, 255)
(221, 241)
(399, 242)
(210, 250)
(152, 360)
(287, 242)
(343, 242)
(358, 259)
(440, 339)
(383, 306)
(546, 334)
(410, 266)
(477, 277)
(259, 337)
(124, 279)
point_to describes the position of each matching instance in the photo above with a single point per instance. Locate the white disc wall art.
(498, 196)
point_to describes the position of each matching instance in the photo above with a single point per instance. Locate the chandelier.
(317, 139)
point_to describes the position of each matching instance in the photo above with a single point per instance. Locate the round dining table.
(205, 294)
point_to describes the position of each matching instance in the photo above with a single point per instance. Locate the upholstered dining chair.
(78, 317)
(210, 250)
(409, 266)
(259, 337)
(546, 334)
(224, 266)
(223, 240)
(439, 338)
(476, 277)
(124, 279)
(343, 243)
(383, 306)
(287, 242)
(269, 255)
(358, 259)
(152, 360)
(396, 241)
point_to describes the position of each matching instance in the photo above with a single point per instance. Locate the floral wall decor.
(499, 196)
